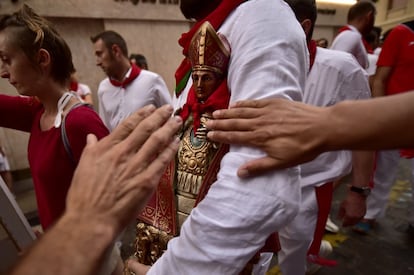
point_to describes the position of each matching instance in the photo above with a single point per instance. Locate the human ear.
(306, 25)
(43, 58)
(116, 50)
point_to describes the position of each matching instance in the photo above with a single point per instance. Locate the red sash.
(135, 71)
(312, 48)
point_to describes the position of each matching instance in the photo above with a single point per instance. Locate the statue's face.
(205, 83)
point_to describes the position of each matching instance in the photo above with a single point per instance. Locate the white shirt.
(83, 90)
(117, 103)
(335, 76)
(372, 63)
(268, 59)
(351, 41)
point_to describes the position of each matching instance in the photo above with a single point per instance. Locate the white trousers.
(297, 236)
(384, 177)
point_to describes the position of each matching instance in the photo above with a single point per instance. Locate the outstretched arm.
(292, 133)
(113, 181)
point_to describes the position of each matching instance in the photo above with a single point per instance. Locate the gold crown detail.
(208, 50)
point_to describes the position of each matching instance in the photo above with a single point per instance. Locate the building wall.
(388, 18)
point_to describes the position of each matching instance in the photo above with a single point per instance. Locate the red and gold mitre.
(208, 50)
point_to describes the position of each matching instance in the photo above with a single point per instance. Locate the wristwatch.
(364, 191)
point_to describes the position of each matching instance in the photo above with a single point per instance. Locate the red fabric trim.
(219, 99)
(312, 47)
(407, 153)
(134, 74)
(160, 210)
(324, 199)
(74, 86)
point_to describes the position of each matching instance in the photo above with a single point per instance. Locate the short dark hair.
(140, 60)
(31, 32)
(359, 9)
(304, 9)
(111, 38)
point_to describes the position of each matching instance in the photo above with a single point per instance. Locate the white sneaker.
(315, 262)
(325, 249)
(331, 227)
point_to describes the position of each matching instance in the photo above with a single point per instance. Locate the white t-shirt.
(269, 59)
(372, 63)
(335, 76)
(117, 103)
(351, 41)
(83, 90)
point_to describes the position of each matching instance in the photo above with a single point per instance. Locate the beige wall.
(389, 18)
(330, 17)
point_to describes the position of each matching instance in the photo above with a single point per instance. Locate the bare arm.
(353, 207)
(379, 81)
(113, 181)
(88, 99)
(292, 132)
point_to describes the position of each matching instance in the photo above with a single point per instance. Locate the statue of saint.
(188, 178)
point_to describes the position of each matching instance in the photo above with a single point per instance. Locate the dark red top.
(50, 165)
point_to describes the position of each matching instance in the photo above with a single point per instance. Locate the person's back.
(361, 17)
(350, 41)
(334, 77)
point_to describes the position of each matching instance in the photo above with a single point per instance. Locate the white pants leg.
(264, 263)
(296, 237)
(384, 178)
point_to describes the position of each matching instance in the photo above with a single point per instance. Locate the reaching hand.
(285, 130)
(135, 267)
(352, 209)
(117, 175)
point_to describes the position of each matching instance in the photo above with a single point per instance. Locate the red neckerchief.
(135, 71)
(216, 18)
(74, 86)
(312, 53)
(219, 99)
(367, 46)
